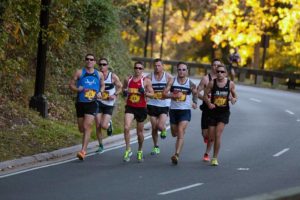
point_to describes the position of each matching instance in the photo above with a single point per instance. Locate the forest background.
(193, 30)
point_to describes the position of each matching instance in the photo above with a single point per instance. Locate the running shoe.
(100, 149)
(174, 159)
(140, 156)
(127, 155)
(163, 134)
(214, 162)
(206, 158)
(155, 151)
(81, 155)
(110, 129)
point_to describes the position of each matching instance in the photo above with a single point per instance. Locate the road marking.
(180, 189)
(256, 100)
(298, 120)
(243, 169)
(290, 112)
(72, 159)
(60, 162)
(281, 152)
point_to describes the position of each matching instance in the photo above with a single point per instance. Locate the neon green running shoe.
(214, 162)
(163, 134)
(140, 156)
(127, 155)
(155, 151)
(100, 149)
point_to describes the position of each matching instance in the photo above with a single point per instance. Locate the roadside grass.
(23, 132)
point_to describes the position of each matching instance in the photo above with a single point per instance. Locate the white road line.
(61, 162)
(298, 120)
(180, 189)
(290, 112)
(243, 169)
(256, 100)
(72, 159)
(281, 152)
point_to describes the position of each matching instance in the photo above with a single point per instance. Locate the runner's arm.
(206, 98)
(72, 83)
(233, 93)
(201, 87)
(170, 78)
(166, 91)
(118, 84)
(148, 86)
(125, 85)
(102, 88)
(195, 94)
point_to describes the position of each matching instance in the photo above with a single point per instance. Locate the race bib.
(158, 95)
(220, 101)
(182, 98)
(89, 94)
(134, 98)
(105, 95)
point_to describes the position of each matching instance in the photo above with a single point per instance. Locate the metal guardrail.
(275, 77)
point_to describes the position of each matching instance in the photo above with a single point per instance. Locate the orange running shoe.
(206, 158)
(81, 155)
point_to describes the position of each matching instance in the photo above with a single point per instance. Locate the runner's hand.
(80, 88)
(233, 100)
(125, 93)
(141, 90)
(194, 106)
(112, 97)
(99, 95)
(211, 106)
(176, 95)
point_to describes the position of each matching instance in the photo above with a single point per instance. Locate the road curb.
(62, 154)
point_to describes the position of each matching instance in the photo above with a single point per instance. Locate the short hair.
(181, 63)
(139, 62)
(158, 60)
(214, 60)
(103, 59)
(222, 65)
(90, 54)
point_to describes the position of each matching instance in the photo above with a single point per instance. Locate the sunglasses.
(181, 69)
(89, 59)
(222, 72)
(139, 68)
(102, 64)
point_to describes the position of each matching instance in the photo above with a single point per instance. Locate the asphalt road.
(259, 154)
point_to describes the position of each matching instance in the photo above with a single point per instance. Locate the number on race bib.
(134, 98)
(220, 101)
(89, 94)
(105, 95)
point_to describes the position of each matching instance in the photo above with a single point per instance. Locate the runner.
(137, 88)
(88, 83)
(222, 91)
(158, 107)
(234, 61)
(204, 108)
(182, 89)
(113, 87)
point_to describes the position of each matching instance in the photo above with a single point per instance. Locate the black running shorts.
(140, 114)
